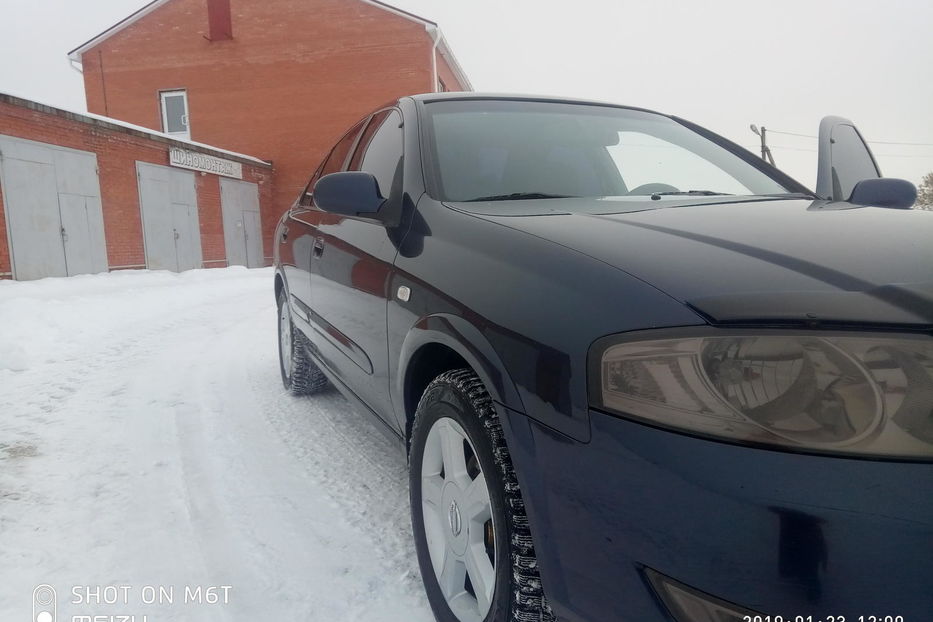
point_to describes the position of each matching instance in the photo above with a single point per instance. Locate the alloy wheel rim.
(285, 339)
(458, 525)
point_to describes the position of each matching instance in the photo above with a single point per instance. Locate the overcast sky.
(721, 63)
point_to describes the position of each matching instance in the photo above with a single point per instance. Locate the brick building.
(81, 194)
(156, 174)
(279, 79)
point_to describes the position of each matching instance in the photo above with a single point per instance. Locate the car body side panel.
(294, 238)
(456, 333)
(338, 291)
(526, 298)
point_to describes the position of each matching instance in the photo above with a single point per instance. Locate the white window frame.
(185, 119)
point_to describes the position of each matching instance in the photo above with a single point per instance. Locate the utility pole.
(765, 150)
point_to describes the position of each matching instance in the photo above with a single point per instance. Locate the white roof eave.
(91, 117)
(455, 67)
(75, 54)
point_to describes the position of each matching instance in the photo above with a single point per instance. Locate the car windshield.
(493, 150)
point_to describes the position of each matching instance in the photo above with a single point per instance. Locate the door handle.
(318, 249)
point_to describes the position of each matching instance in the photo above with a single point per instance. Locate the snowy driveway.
(146, 442)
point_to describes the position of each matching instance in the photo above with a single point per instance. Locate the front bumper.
(775, 532)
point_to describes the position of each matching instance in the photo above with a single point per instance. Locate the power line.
(794, 148)
(891, 142)
(791, 134)
(873, 142)
(903, 155)
(880, 155)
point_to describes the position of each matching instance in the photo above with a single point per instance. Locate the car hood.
(751, 260)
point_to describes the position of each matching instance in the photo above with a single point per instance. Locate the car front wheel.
(471, 532)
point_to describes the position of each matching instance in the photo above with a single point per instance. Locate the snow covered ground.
(146, 442)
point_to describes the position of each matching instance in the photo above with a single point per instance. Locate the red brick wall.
(295, 76)
(117, 152)
(211, 217)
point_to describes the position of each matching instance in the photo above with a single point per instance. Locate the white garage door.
(51, 196)
(171, 229)
(242, 232)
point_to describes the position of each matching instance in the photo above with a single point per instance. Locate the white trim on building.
(129, 20)
(90, 117)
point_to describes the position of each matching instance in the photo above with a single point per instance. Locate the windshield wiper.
(520, 196)
(793, 195)
(655, 196)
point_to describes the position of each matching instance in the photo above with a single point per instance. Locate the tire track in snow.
(171, 455)
(355, 468)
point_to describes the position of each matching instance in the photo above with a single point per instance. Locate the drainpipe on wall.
(436, 36)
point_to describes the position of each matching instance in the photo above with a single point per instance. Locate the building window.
(175, 114)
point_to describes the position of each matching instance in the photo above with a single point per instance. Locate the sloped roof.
(129, 20)
(431, 27)
(129, 128)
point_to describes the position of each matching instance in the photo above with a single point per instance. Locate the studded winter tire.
(471, 532)
(299, 374)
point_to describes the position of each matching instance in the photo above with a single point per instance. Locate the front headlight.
(837, 393)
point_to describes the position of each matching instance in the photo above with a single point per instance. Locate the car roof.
(471, 95)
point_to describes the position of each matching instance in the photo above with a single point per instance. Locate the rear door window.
(380, 150)
(334, 162)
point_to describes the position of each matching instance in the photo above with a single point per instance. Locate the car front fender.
(467, 341)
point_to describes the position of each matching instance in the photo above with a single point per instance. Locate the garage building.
(81, 194)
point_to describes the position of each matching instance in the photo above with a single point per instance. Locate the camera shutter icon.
(43, 604)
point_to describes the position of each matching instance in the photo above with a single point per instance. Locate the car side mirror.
(353, 194)
(884, 192)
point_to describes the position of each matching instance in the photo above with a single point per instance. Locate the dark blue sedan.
(640, 374)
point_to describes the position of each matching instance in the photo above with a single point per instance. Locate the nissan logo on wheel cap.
(454, 517)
